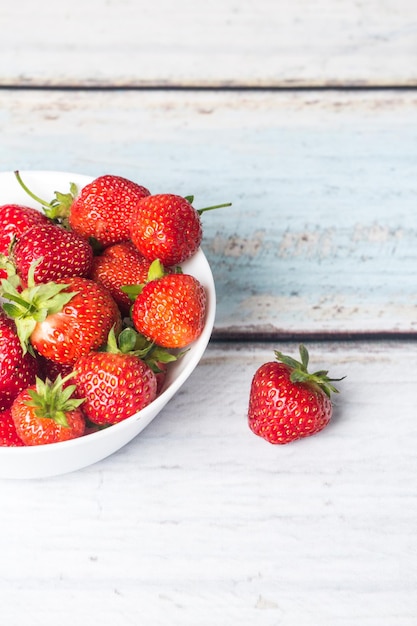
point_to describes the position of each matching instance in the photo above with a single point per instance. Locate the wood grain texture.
(197, 521)
(267, 43)
(322, 234)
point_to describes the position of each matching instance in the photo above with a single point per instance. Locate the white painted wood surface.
(228, 42)
(322, 234)
(199, 522)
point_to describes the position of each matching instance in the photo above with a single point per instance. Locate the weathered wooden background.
(271, 43)
(304, 115)
(322, 234)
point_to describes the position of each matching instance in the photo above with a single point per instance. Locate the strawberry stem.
(30, 193)
(58, 209)
(211, 208)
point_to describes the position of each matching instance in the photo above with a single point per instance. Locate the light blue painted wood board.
(322, 233)
(270, 42)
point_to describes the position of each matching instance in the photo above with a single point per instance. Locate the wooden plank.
(198, 521)
(270, 43)
(322, 235)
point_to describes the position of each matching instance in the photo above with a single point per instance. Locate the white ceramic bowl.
(68, 456)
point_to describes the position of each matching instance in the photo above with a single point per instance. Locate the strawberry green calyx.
(59, 208)
(132, 290)
(52, 400)
(300, 373)
(129, 341)
(156, 270)
(33, 304)
(8, 268)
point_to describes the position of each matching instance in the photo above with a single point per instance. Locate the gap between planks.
(108, 87)
(259, 336)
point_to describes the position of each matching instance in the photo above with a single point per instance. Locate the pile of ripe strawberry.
(95, 306)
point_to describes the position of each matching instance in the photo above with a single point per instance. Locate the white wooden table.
(304, 115)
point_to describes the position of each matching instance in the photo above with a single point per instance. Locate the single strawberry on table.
(170, 309)
(287, 402)
(167, 227)
(61, 320)
(17, 371)
(48, 413)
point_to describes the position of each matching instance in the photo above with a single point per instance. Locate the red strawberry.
(16, 371)
(64, 319)
(47, 413)
(118, 265)
(61, 253)
(170, 310)
(103, 209)
(286, 402)
(161, 375)
(14, 221)
(51, 369)
(167, 227)
(115, 384)
(8, 435)
(157, 357)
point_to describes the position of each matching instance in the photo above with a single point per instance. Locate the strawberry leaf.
(156, 270)
(7, 266)
(23, 305)
(24, 329)
(304, 356)
(288, 360)
(12, 310)
(54, 303)
(33, 305)
(127, 340)
(300, 374)
(53, 400)
(132, 290)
